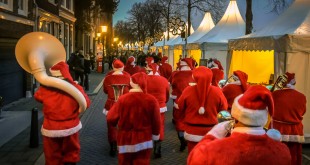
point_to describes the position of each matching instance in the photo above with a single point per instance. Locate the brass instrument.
(118, 90)
(278, 85)
(226, 116)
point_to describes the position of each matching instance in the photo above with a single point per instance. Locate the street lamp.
(115, 45)
(104, 30)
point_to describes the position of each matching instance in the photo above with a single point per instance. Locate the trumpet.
(226, 116)
(279, 84)
(118, 90)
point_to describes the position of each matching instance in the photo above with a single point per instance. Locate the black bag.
(78, 69)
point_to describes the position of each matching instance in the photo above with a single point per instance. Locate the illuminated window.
(23, 7)
(6, 4)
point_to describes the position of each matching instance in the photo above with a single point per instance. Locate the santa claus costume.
(217, 70)
(117, 77)
(235, 88)
(290, 106)
(61, 120)
(179, 81)
(131, 67)
(248, 143)
(199, 105)
(138, 119)
(165, 69)
(158, 87)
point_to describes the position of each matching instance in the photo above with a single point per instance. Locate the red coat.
(165, 70)
(158, 87)
(61, 111)
(239, 149)
(112, 71)
(179, 81)
(137, 117)
(107, 88)
(289, 109)
(196, 125)
(131, 69)
(231, 91)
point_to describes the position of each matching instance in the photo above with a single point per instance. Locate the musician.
(61, 119)
(237, 84)
(217, 70)
(290, 106)
(131, 67)
(180, 79)
(138, 119)
(165, 69)
(117, 77)
(198, 106)
(248, 143)
(158, 87)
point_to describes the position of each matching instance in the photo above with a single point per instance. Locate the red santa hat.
(118, 65)
(243, 77)
(187, 62)
(214, 63)
(164, 59)
(140, 79)
(130, 60)
(203, 77)
(149, 60)
(159, 55)
(61, 69)
(154, 67)
(290, 79)
(217, 76)
(252, 107)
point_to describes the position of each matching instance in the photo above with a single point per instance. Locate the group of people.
(259, 115)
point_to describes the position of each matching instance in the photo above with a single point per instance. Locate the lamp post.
(178, 27)
(115, 44)
(104, 30)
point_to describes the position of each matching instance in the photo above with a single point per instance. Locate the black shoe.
(157, 149)
(67, 163)
(113, 149)
(183, 144)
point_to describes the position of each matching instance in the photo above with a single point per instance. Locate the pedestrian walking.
(87, 68)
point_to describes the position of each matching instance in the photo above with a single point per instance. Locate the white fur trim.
(135, 148)
(192, 138)
(155, 137)
(236, 82)
(185, 68)
(290, 86)
(163, 109)
(117, 72)
(250, 130)
(173, 96)
(105, 111)
(156, 73)
(248, 116)
(293, 138)
(136, 90)
(61, 133)
(192, 84)
(176, 105)
(118, 69)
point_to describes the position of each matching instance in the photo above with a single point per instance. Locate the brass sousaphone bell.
(226, 116)
(118, 90)
(36, 53)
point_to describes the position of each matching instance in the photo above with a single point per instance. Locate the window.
(68, 4)
(23, 7)
(6, 4)
(52, 1)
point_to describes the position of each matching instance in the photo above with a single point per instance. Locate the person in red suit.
(180, 79)
(158, 87)
(290, 106)
(248, 142)
(61, 122)
(237, 84)
(199, 105)
(138, 119)
(165, 69)
(131, 67)
(217, 70)
(117, 77)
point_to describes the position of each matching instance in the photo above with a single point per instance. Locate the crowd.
(266, 124)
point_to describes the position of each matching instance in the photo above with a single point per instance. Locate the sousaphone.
(36, 53)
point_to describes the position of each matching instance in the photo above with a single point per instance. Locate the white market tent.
(214, 43)
(205, 26)
(286, 44)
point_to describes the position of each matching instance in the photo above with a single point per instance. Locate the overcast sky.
(123, 7)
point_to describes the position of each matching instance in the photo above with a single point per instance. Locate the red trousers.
(296, 152)
(190, 146)
(137, 158)
(61, 150)
(112, 133)
(162, 126)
